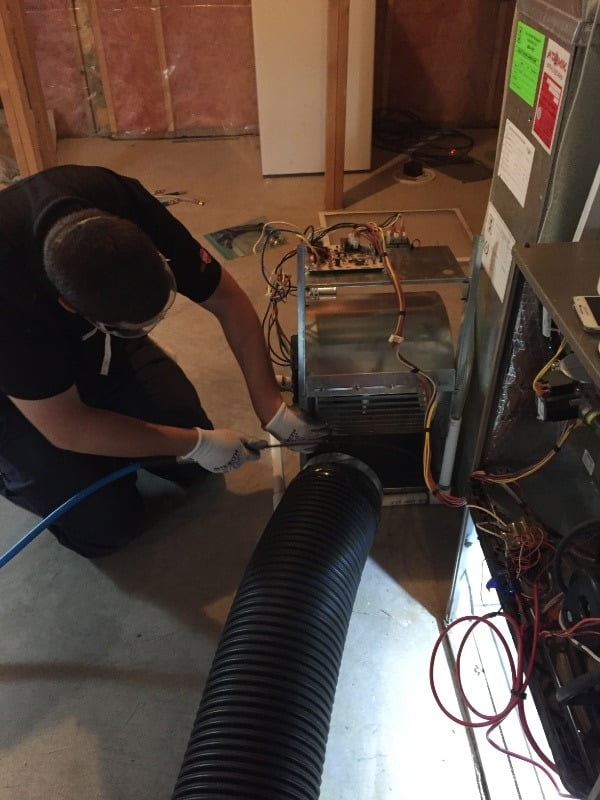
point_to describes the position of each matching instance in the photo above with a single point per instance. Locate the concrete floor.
(103, 664)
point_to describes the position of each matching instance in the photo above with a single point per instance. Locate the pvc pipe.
(449, 455)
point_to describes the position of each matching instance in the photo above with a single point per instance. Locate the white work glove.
(220, 450)
(295, 431)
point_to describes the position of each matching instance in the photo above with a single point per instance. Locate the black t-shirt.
(44, 348)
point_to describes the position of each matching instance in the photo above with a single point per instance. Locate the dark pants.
(37, 476)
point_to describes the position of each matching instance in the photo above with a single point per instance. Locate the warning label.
(550, 95)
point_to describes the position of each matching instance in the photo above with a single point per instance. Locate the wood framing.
(163, 62)
(96, 109)
(21, 92)
(338, 23)
(92, 10)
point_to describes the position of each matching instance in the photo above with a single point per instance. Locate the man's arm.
(242, 328)
(68, 423)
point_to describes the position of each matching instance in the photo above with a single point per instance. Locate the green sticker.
(526, 62)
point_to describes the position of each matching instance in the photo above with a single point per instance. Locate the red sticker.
(550, 95)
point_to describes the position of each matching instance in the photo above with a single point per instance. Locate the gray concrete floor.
(102, 664)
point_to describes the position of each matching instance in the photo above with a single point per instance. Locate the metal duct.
(263, 721)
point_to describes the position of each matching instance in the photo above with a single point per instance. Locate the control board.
(348, 256)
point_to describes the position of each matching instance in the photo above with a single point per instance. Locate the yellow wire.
(547, 366)
(291, 229)
(377, 231)
(428, 419)
(526, 473)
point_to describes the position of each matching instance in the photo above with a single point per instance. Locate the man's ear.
(66, 306)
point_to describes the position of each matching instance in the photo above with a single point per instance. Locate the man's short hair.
(106, 267)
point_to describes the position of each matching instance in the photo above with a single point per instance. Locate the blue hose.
(64, 507)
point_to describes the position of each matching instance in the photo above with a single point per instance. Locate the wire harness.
(280, 287)
(520, 658)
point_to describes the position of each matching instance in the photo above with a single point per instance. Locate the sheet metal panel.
(544, 207)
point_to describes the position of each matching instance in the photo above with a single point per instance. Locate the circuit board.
(344, 258)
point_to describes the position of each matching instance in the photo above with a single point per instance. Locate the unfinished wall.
(176, 65)
(444, 62)
(52, 28)
(146, 67)
(183, 67)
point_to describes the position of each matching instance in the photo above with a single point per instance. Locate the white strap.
(107, 349)
(107, 354)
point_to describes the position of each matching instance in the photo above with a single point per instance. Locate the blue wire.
(64, 507)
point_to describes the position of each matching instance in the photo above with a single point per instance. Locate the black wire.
(588, 532)
(281, 356)
(226, 236)
(450, 147)
(398, 129)
(321, 234)
(402, 131)
(278, 342)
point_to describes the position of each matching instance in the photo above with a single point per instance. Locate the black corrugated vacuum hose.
(263, 721)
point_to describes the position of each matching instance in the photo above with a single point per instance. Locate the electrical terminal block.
(560, 398)
(395, 238)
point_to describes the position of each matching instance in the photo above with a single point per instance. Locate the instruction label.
(526, 62)
(516, 160)
(498, 243)
(550, 96)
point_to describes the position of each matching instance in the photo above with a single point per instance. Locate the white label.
(546, 324)
(516, 160)
(540, 409)
(588, 462)
(498, 243)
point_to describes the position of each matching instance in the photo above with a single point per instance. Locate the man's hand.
(220, 450)
(293, 429)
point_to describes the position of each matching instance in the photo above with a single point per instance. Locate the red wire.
(475, 620)
(521, 672)
(571, 632)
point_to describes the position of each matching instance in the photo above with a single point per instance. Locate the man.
(89, 263)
